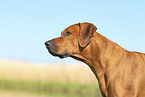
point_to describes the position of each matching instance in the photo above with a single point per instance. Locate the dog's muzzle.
(48, 45)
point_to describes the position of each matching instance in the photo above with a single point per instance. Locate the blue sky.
(26, 24)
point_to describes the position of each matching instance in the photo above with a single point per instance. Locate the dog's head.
(71, 40)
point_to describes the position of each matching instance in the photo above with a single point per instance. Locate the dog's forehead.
(73, 29)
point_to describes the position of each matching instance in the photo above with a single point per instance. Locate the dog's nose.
(47, 43)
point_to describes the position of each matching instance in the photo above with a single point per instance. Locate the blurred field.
(53, 80)
(18, 94)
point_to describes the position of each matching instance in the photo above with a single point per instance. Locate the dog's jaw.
(61, 56)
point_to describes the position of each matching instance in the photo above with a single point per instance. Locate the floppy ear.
(86, 33)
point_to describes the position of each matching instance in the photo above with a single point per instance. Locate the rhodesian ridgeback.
(120, 73)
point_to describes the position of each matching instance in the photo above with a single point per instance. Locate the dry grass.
(22, 70)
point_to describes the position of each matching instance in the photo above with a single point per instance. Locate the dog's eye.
(67, 34)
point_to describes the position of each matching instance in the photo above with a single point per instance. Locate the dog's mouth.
(58, 55)
(54, 53)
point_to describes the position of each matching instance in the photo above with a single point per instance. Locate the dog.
(120, 73)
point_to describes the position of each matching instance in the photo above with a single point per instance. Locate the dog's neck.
(109, 52)
(105, 52)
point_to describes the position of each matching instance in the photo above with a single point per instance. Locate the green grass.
(56, 89)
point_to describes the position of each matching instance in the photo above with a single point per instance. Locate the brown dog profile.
(120, 73)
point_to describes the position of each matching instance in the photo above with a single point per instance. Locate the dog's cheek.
(76, 49)
(62, 46)
(73, 46)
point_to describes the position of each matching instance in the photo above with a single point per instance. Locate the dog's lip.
(58, 55)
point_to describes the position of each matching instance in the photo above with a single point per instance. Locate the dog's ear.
(86, 33)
